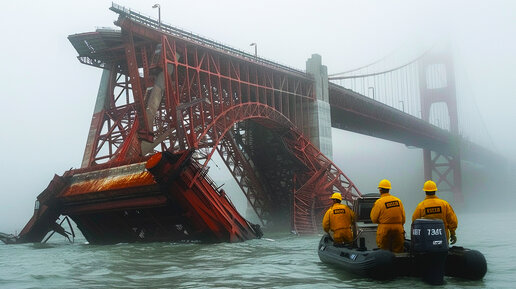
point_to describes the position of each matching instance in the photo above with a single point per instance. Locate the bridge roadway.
(354, 112)
(349, 110)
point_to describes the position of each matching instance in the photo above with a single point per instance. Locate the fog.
(48, 96)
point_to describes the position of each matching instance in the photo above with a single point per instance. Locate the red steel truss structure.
(437, 85)
(164, 89)
(169, 99)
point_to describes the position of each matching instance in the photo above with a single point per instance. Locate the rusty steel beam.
(141, 202)
(245, 173)
(208, 92)
(176, 95)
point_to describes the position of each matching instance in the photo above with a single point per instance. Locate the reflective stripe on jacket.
(388, 210)
(338, 216)
(434, 208)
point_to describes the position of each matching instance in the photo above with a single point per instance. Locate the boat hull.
(465, 263)
(373, 264)
(381, 264)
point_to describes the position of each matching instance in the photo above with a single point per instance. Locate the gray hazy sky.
(48, 96)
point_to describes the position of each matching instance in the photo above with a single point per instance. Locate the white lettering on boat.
(434, 232)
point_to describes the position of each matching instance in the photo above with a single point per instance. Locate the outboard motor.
(429, 248)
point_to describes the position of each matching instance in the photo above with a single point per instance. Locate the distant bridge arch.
(281, 177)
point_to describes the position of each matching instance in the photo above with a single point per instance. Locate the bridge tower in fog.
(320, 120)
(437, 87)
(422, 111)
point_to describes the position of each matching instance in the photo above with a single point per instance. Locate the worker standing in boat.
(389, 214)
(434, 208)
(339, 219)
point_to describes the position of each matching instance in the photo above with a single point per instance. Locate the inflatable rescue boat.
(426, 254)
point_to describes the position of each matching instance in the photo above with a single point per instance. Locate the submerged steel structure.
(168, 100)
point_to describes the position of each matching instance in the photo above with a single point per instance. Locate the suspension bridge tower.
(437, 87)
(320, 119)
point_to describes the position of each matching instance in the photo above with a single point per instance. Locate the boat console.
(366, 229)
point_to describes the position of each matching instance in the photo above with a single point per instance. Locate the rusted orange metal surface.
(164, 90)
(142, 202)
(112, 184)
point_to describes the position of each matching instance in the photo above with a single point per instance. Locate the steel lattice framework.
(169, 99)
(424, 93)
(437, 79)
(164, 90)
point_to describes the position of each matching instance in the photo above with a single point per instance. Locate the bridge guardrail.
(148, 21)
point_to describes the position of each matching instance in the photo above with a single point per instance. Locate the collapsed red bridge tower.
(168, 100)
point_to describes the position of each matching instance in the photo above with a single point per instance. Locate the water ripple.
(278, 261)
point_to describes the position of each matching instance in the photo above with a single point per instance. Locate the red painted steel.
(204, 83)
(141, 202)
(165, 93)
(437, 85)
(212, 206)
(313, 197)
(206, 92)
(45, 213)
(210, 91)
(241, 166)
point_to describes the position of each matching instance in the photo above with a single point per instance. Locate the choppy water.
(276, 261)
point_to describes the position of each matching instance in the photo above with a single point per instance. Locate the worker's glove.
(453, 239)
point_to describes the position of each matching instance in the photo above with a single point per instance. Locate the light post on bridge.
(371, 88)
(402, 105)
(255, 49)
(159, 14)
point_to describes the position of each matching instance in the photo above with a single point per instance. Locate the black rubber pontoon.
(426, 255)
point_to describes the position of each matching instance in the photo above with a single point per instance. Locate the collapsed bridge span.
(168, 100)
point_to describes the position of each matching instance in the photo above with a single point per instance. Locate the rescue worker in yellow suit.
(339, 219)
(389, 214)
(434, 208)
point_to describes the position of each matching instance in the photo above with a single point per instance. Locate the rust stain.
(110, 183)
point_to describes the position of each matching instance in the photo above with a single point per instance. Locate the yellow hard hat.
(384, 184)
(429, 186)
(336, 196)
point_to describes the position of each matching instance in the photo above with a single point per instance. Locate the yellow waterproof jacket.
(434, 208)
(388, 210)
(338, 216)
